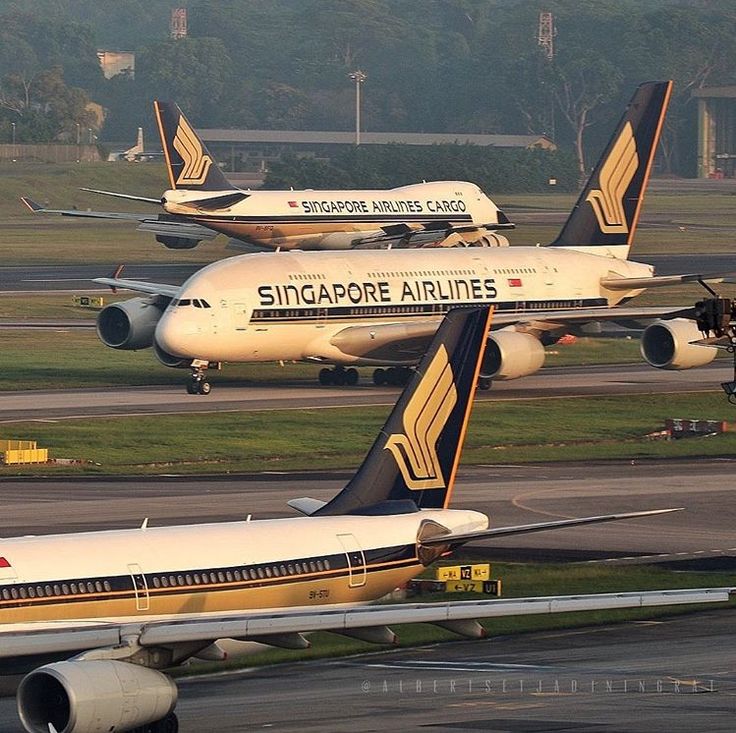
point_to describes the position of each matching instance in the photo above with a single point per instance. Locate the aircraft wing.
(402, 342)
(664, 281)
(425, 234)
(101, 640)
(138, 286)
(162, 225)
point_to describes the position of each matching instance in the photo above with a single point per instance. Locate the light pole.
(79, 141)
(358, 77)
(13, 151)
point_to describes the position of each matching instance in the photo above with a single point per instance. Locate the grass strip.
(587, 428)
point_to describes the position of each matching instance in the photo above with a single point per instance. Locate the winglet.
(32, 205)
(115, 275)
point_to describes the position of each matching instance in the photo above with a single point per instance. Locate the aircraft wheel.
(204, 387)
(192, 388)
(379, 377)
(484, 383)
(339, 378)
(392, 376)
(351, 377)
(325, 377)
(169, 724)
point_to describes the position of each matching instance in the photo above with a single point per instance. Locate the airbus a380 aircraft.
(119, 606)
(380, 308)
(202, 202)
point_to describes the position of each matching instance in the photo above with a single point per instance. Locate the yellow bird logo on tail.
(424, 419)
(615, 177)
(196, 163)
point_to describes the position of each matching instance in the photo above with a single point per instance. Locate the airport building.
(253, 150)
(716, 132)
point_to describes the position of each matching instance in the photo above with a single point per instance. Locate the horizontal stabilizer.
(663, 281)
(306, 505)
(461, 539)
(214, 203)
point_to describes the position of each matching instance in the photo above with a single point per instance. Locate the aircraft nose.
(173, 337)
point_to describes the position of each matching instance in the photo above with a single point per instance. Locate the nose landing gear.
(198, 383)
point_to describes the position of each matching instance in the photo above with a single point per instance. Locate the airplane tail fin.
(190, 165)
(414, 460)
(604, 219)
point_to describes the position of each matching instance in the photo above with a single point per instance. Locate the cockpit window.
(183, 302)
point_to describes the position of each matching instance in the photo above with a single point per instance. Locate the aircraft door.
(356, 560)
(140, 587)
(240, 316)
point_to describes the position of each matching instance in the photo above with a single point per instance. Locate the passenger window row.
(22, 592)
(234, 576)
(73, 588)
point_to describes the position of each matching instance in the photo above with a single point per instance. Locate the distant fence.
(50, 153)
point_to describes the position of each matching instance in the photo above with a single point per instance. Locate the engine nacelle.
(511, 354)
(169, 360)
(666, 345)
(171, 242)
(129, 325)
(97, 696)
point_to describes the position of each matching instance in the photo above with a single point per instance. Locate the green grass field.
(73, 358)
(502, 432)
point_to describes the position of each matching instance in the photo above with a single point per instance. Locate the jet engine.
(511, 354)
(96, 696)
(169, 360)
(666, 345)
(130, 325)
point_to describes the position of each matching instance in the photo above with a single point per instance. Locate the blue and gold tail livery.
(189, 163)
(414, 460)
(607, 211)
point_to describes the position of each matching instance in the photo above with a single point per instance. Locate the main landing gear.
(395, 376)
(339, 377)
(198, 383)
(169, 724)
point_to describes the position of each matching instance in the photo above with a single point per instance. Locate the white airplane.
(202, 202)
(380, 308)
(93, 619)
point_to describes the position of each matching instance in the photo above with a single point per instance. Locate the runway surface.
(676, 675)
(508, 494)
(550, 383)
(50, 278)
(580, 680)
